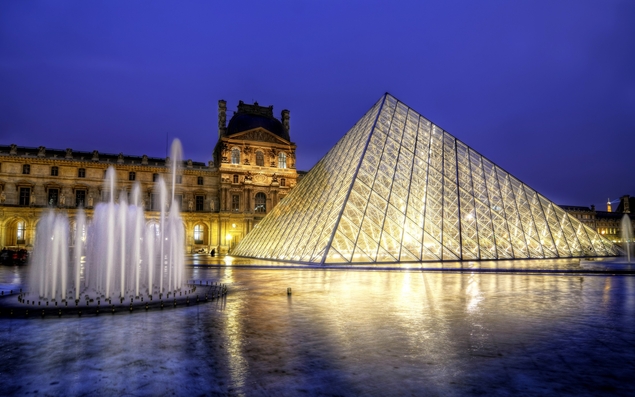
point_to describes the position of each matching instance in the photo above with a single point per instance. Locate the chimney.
(593, 207)
(222, 117)
(285, 120)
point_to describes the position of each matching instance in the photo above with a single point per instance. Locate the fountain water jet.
(119, 249)
(627, 235)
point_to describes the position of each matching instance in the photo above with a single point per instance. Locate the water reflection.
(344, 332)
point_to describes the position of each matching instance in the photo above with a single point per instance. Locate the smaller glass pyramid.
(398, 188)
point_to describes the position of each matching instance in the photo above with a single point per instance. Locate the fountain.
(116, 256)
(616, 264)
(627, 235)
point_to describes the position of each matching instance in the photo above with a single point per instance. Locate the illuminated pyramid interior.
(397, 188)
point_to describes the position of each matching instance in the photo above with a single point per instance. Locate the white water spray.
(119, 248)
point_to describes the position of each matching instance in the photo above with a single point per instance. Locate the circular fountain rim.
(200, 293)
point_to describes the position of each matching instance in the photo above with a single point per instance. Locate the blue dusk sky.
(545, 89)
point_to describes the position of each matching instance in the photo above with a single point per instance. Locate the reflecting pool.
(341, 332)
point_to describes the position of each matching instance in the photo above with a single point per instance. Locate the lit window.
(81, 173)
(235, 203)
(21, 232)
(199, 180)
(235, 156)
(282, 160)
(26, 169)
(155, 229)
(260, 159)
(199, 233)
(261, 203)
(54, 171)
(132, 176)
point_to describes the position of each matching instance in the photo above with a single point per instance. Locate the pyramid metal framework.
(397, 188)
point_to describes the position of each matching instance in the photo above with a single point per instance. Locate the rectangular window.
(154, 202)
(235, 178)
(199, 180)
(25, 196)
(200, 203)
(54, 171)
(26, 169)
(81, 172)
(179, 179)
(235, 202)
(282, 182)
(179, 200)
(155, 177)
(80, 198)
(53, 197)
(21, 233)
(132, 176)
(198, 234)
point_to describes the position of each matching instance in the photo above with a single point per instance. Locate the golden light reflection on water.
(416, 315)
(341, 332)
(238, 365)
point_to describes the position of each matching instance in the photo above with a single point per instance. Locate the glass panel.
(397, 187)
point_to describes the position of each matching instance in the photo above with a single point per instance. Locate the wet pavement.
(341, 332)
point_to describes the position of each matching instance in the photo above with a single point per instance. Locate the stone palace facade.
(253, 168)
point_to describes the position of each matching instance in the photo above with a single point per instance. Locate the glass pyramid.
(397, 188)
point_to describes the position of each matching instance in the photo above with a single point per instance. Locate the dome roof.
(248, 117)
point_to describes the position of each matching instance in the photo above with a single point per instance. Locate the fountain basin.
(193, 293)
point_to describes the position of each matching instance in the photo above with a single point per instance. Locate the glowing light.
(407, 191)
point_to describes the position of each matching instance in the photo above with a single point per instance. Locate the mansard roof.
(249, 117)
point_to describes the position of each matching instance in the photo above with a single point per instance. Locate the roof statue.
(398, 188)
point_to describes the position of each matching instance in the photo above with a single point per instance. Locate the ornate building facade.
(607, 223)
(253, 168)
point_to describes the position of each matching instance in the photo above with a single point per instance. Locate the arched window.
(199, 234)
(235, 156)
(260, 159)
(282, 160)
(261, 203)
(154, 229)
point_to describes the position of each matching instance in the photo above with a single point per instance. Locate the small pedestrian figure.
(212, 252)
